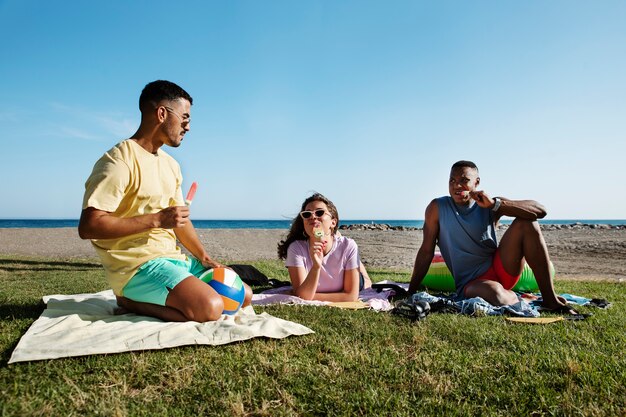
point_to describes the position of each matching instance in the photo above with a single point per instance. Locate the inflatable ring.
(439, 277)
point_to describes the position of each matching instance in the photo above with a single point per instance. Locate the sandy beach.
(577, 253)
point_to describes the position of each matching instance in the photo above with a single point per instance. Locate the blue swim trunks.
(154, 279)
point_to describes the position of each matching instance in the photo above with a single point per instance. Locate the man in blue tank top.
(463, 226)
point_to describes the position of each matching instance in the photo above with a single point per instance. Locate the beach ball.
(228, 285)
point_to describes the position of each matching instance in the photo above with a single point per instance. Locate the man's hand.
(188, 237)
(174, 217)
(482, 199)
(210, 264)
(524, 209)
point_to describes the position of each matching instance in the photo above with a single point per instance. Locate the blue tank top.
(467, 240)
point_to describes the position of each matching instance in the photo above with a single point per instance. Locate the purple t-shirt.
(343, 257)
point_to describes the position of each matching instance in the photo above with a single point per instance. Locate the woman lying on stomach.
(323, 265)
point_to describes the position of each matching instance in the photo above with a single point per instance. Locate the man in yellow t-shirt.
(133, 212)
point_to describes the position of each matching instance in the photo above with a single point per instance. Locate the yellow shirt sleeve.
(108, 183)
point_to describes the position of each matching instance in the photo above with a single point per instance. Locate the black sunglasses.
(307, 214)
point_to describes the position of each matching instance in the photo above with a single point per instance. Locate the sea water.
(272, 224)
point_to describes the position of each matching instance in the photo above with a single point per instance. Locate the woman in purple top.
(326, 267)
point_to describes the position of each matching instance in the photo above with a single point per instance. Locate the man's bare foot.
(118, 311)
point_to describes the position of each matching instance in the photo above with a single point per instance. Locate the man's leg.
(196, 300)
(491, 291)
(147, 309)
(523, 240)
(190, 300)
(166, 289)
(247, 299)
(193, 301)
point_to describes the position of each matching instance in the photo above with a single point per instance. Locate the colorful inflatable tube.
(439, 277)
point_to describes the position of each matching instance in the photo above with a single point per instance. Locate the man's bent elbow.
(541, 211)
(87, 230)
(90, 225)
(83, 232)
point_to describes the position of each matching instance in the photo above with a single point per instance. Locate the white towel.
(84, 324)
(374, 300)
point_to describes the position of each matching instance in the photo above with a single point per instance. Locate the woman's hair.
(296, 231)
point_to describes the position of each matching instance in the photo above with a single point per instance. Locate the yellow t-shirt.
(129, 181)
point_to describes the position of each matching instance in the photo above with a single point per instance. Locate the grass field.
(357, 362)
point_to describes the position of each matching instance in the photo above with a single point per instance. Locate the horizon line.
(288, 219)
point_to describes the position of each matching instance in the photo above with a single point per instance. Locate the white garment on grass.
(375, 300)
(85, 324)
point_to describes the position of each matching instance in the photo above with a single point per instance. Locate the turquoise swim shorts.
(154, 279)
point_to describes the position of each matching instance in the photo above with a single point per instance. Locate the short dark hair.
(159, 90)
(464, 164)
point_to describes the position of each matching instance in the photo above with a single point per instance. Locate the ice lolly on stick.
(191, 193)
(318, 232)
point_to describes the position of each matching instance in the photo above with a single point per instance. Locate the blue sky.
(367, 102)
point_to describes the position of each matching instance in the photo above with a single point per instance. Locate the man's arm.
(188, 237)
(100, 224)
(524, 209)
(426, 252)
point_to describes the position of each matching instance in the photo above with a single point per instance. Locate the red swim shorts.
(496, 272)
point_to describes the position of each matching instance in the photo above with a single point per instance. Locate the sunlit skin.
(166, 123)
(521, 243)
(159, 126)
(462, 187)
(177, 123)
(319, 247)
(305, 284)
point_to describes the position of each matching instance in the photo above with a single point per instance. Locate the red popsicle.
(191, 193)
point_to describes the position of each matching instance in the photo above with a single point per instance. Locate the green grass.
(357, 362)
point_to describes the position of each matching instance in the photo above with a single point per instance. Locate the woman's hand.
(316, 251)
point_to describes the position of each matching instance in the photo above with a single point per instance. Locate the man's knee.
(209, 308)
(213, 309)
(526, 226)
(504, 297)
(524, 223)
(247, 299)
(196, 300)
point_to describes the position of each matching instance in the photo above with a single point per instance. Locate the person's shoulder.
(297, 245)
(119, 153)
(435, 203)
(122, 150)
(345, 241)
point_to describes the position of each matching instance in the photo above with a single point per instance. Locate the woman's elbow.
(305, 295)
